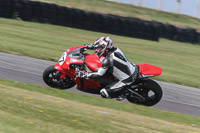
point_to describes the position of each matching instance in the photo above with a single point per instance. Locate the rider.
(114, 58)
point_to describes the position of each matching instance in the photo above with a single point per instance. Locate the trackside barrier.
(43, 12)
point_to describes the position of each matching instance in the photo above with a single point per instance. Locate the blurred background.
(114, 18)
(187, 7)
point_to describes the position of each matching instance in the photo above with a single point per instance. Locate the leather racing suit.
(124, 71)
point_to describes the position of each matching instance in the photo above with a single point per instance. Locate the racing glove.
(89, 46)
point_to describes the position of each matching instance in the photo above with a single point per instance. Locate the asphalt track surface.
(176, 98)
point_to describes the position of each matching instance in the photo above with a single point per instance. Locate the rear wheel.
(52, 78)
(151, 91)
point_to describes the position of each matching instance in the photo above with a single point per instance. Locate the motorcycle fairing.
(68, 58)
(93, 62)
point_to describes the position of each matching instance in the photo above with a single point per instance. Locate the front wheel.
(52, 78)
(151, 91)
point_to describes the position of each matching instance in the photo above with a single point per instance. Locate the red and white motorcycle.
(64, 75)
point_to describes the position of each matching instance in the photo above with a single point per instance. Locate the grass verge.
(35, 109)
(180, 61)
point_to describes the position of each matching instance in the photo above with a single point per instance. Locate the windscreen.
(76, 54)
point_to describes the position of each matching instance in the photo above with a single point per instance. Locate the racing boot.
(111, 93)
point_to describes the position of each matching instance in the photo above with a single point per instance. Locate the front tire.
(151, 91)
(52, 78)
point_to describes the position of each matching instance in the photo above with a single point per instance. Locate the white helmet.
(103, 45)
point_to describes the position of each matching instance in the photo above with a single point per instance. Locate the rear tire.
(52, 78)
(150, 86)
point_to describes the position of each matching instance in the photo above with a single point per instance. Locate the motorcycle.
(65, 75)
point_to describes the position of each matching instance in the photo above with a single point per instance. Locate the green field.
(180, 61)
(29, 108)
(106, 7)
